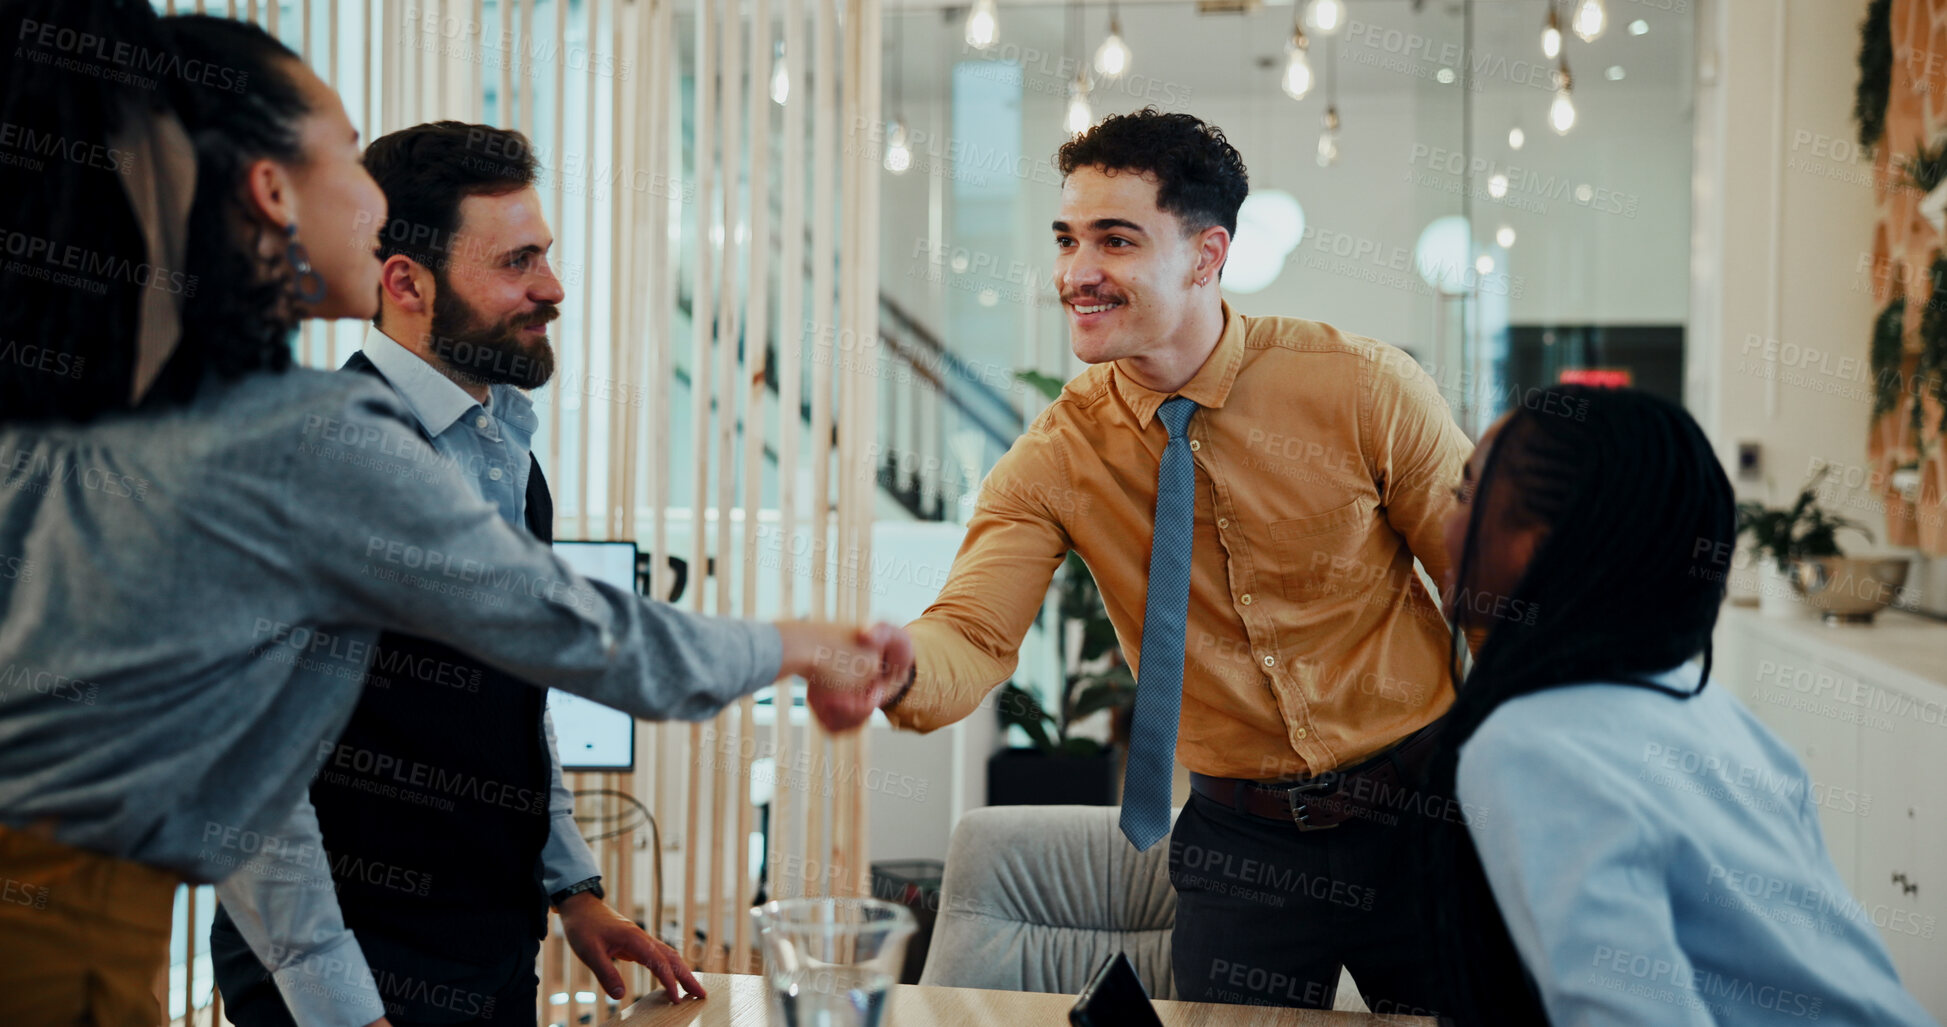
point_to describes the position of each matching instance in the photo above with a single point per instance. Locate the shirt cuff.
(767, 656)
(331, 987)
(566, 859)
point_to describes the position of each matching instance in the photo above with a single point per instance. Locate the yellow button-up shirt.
(1324, 466)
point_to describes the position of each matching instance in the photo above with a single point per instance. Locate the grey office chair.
(1026, 902)
(1036, 897)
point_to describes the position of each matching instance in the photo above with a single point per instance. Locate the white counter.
(1865, 709)
(1899, 650)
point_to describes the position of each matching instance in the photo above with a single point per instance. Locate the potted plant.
(1059, 766)
(1784, 537)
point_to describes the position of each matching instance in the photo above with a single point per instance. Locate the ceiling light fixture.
(983, 25)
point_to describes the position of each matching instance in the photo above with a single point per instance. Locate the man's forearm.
(951, 677)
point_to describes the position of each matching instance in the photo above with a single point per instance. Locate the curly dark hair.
(426, 170)
(1200, 177)
(69, 339)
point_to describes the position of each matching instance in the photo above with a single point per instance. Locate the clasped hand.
(851, 670)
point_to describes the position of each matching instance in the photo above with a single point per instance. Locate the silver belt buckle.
(1295, 796)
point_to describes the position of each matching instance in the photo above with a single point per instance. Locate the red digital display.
(1598, 377)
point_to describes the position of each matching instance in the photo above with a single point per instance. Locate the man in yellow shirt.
(1250, 494)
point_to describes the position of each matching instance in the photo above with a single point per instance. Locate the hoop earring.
(310, 284)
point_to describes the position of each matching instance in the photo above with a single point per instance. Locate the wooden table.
(740, 1000)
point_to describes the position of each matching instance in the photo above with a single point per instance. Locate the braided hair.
(1626, 583)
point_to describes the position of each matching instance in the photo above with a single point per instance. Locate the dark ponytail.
(1627, 583)
(73, 260)
(70, 248)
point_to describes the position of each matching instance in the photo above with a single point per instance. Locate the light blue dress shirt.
(489, 447)
(1659, 862)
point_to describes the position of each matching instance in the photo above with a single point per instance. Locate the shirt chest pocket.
(1318, 555)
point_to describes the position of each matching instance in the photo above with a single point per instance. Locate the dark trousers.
(251, 997)
(1267, 914)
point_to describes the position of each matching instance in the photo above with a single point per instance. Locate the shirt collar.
(1684, 677)
(438, 401)
(1208, 389)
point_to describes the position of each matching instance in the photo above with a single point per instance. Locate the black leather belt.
(1365, 791)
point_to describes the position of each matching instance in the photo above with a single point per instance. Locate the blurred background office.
(808, 265)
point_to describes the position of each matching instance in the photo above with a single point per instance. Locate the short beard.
(483, 354)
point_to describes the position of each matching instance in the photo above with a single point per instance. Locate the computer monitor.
(588, 735)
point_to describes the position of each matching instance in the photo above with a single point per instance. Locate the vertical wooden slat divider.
(522, 57)
(504, 103)
(625, 347)
(722, 756)
(189, 958)
(824, 350)
(790, 389)
(564, 369)
(700, 364)
(756, 335)
(659, 65)
(586, 364)
(368, 89)
(865, 424)
(845, 354)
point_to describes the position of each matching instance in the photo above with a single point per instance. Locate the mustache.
(542, 315)
(1098, 297)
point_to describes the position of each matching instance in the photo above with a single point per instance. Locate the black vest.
(434, 810)
(434, 806)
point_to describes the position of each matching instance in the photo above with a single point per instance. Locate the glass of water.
(832, 962)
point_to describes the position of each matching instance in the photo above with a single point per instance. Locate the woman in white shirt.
(1618, 809)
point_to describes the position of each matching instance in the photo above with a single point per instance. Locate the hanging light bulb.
(1504, 236)
(899, 152)
(1297, 68)
(780, 79)
(1590, 19)
(1328, 139)
(1551, 33)
(1112, 57)
(1080, 117)
(1325, 17)
(1561, 113)
(1517, 138)
(983, 25)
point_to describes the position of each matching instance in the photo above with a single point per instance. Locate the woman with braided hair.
(1637, 847)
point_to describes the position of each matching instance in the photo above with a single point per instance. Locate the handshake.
(851, 670)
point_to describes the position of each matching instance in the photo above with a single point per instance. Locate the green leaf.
(1049, 385)
(1080, 747)
(1019, 708)
(1112, 691)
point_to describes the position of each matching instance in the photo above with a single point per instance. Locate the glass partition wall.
(1463, 206)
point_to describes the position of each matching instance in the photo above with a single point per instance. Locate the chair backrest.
(1036, 897)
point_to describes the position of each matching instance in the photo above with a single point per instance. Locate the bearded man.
(441, 809)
